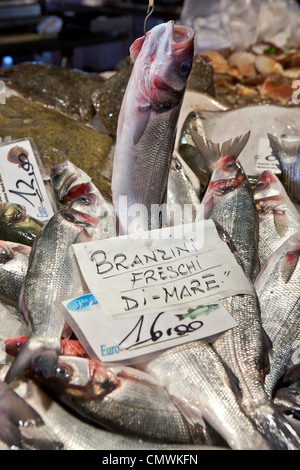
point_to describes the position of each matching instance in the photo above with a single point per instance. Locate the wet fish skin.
(70, 182)
(150, 107)
(287, 153)
(244, 348)
(183, 202)
(278, 217)
(121, 399)
(14, 258)
(198, 383)
(277, 287)
(69, 347)
(16, 225)
(52, 274)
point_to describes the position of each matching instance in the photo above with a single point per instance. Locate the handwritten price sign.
(21, 179)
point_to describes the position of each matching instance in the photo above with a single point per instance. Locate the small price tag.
(162, 272)
(21, 180)
(124, 339)
(265, 160)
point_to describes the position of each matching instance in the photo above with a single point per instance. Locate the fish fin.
(288, 399)
(211, 152)
(280, 146)
(143, 119)
(191, 413)
(136, 47)
(45, 356)
(273, 425)
(10, 433)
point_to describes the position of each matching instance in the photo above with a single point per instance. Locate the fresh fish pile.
(238, 390)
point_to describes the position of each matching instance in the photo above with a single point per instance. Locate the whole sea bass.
(230, 203)
(278, 217)
(277, 287)
(53, 273)
(147, 123)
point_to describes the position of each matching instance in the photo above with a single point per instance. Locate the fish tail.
(211, 151)
(273, 425)
(279, 146)
(45, 355)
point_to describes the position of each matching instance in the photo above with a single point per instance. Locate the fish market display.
(78, 143)
(221, 126)
(277, 287)
(16, 225)
(69, 91)
(150, 107)
(278, 217)
(53, 273)
(226, 152)
(14, 259)
(288, 154)
(231, 204)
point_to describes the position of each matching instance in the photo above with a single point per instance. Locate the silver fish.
(121, 399)
(277, 288)
(70, 182)
(52, 274)
(195, 377)
(147, 123)
(287, 152)
(278, 217)
(243, 348)
(183, 203)
(14, 259)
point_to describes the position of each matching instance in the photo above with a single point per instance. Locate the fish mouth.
(183, 37)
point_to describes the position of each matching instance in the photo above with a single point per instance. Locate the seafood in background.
(52, 274)
(287, 152)
(120, 399)
(242, 64)
(220, 126)
(78, 143)
(16, 225)
(70, 182)
(277, 287)
(68, 347)
(13, 268)
(278, 217)
(107, 99)
(202, 76)
(243, 348)
(66, 90)
(15, 414)
(181, 194)
(150, 107)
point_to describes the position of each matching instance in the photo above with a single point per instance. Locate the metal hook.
(149, 13)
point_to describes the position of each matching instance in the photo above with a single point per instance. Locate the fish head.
(68, 181)
(227, 176)
(164, 57)
(68, 347)
(269, 195)
(83, 211)
(79, 377)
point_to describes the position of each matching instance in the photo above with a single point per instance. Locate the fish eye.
(185, 68)
(84, 200)
(178, 166)
(63, 372)
(229, 166)
(260, 185)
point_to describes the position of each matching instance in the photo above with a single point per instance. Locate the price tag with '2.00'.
(21, 178)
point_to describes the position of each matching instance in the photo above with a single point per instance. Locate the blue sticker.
(82, 303)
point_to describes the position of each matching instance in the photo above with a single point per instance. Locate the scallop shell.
(243, 62)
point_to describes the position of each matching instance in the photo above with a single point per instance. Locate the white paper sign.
(124, 339)
(162, 273)
(265, 160)
(21, 179)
